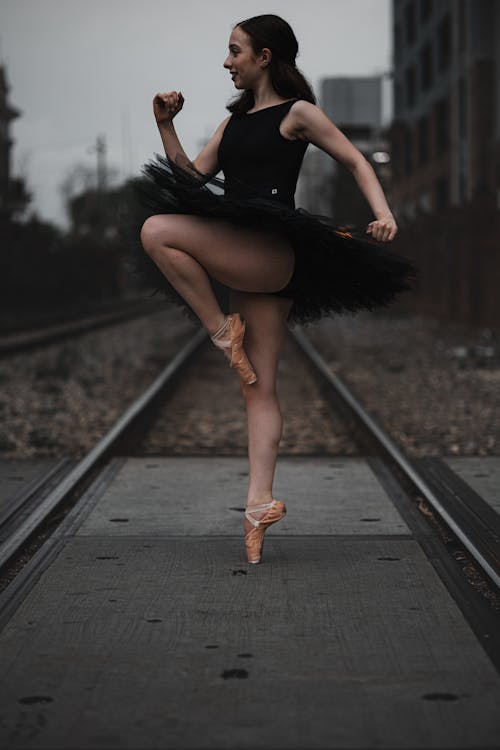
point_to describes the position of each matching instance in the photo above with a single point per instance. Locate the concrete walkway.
(150, 630)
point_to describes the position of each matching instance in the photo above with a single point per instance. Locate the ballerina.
(244, 261)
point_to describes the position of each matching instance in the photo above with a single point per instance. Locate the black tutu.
(338, 269)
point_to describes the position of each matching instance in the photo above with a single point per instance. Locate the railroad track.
(16, 342)
(457, 529)
(466, 514)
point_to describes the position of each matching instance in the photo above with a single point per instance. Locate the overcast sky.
(80, 68)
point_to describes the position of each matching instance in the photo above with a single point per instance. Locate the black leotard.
(253, 150)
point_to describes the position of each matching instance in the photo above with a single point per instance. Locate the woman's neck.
(264, 96)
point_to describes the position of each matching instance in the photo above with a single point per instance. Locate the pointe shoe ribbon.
(229, 338)
(254, 540)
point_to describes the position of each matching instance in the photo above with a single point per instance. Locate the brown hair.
(275, 33)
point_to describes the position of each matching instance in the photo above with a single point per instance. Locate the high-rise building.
(446, 129)
(445, 140)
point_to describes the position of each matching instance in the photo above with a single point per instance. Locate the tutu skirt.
(338, 269)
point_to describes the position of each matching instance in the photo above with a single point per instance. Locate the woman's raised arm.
(313, 125)
(166, 107)
(207, 161)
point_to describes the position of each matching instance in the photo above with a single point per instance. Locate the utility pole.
(100, 150)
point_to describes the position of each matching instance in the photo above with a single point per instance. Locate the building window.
(462, 107)
(461, 28)
(424, 202)
(398, 46)
(426, 72)
(442, 125)
(441, 193)
(409, 210)
(410, 22)
(425, 10)
(408, 151)
(444, 43)
(398, 103)
(410, 86)
(395, 154)
(423, 140)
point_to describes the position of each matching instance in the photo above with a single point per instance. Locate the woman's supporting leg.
(188, 248)
(265, 333)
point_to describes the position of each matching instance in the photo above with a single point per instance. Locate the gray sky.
(79, 68)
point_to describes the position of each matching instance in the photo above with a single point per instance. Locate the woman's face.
(245, 68)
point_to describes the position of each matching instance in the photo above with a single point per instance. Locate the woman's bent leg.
(189, 248)
(188, 277)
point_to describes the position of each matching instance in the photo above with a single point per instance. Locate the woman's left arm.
(312, 124)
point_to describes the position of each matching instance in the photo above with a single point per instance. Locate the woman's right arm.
(165, 107)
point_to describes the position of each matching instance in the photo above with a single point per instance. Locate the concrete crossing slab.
(145, 642)
(150, 630)
(482, 473)
(206, 495)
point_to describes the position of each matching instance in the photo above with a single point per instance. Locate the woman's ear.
(266, 55)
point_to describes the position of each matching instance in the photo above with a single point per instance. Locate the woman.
(246, 261)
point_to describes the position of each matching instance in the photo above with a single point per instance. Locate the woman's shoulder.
(303, 112)
(222, 126)
(225, 122)
(303, 107)
(299, 115)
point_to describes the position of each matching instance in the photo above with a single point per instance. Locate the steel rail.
(23, 341)
(68, 484)
(389, 447)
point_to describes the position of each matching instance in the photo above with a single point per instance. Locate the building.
(446, 129)
(446, 158)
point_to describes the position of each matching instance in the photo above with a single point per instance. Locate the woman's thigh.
(245, 259)
(265, 317)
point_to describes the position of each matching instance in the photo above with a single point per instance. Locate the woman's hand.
(166, 106)
(383, 229)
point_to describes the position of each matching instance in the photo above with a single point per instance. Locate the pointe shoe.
(254, 540)
(229, 338)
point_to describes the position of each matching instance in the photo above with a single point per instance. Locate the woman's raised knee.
(153, 232)
(148, 233)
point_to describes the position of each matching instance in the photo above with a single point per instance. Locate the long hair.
(275, 33)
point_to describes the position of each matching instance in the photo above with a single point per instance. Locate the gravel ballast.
(434, 386)
(61, 400)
